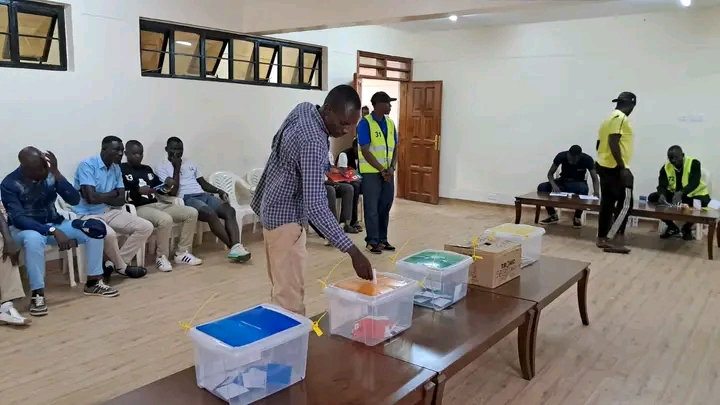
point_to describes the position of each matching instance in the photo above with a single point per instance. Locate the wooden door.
(418, 172)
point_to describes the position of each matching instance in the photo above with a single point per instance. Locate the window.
(32, 35)
(170, 50)
(378, 66)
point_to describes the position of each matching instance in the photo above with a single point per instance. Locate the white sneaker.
(10, 316)
(163, 264)
(187, 258)
(239, 253)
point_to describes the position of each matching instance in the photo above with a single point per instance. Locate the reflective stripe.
(671, 174)
(381, 147)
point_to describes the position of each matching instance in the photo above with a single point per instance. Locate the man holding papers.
(574, 166)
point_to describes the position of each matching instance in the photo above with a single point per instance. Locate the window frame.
(57, 13)
(228, 38)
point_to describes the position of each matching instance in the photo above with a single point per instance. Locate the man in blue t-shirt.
(574, 166)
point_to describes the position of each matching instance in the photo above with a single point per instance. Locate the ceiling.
(564, 10)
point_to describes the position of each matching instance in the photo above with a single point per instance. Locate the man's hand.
(388, 174)
(677, 198)
(176, 162)
(334, 170)
(223, 195)
(662, 200)
(62, 240)
(627, 177)
(555, 187)
(596, 193)
(170, 182)
(146, 190)
(52, 162)
(361, 264)
(11, 250)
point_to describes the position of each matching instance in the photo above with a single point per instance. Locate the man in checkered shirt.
(292, 191)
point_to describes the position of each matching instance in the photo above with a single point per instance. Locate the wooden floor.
(654, 336)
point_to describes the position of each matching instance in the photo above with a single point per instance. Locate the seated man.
(691, 187)
(141, 185)
(29, 195)
(11, 287)
(574, 165)
(192, 187)
(99, 180)
(348, 158)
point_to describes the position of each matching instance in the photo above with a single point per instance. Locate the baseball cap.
(381, 97)
(626, 96)
(93, 228)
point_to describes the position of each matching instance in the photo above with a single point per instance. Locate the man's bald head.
(33, 163)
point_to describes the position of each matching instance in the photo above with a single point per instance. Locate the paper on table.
(561, 194)
(588, 197)
(714, 204)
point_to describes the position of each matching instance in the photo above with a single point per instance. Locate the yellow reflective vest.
(672, 178)
(381, 147)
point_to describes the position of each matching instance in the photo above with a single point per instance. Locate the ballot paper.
(588, 197)
(561, 194)
(254, 378)
(714, 204)
(230, 391)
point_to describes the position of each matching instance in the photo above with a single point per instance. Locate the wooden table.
(652, 211)
(542, 283)
(338, 373)
(447, 341)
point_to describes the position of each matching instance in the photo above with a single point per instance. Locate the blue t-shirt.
(93, 172)
(363, 130)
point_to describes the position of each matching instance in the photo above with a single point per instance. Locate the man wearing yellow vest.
(680, 182)
(377, 138)
(615, 150)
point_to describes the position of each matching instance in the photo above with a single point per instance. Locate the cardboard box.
(501, 261)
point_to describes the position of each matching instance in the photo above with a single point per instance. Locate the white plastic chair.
(53, 253)
(152, 240)
(226, 181)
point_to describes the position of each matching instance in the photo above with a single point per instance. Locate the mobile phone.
(161, 188)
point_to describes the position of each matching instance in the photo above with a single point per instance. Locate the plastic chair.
(226, 182)
(53, 253)
(152, 240)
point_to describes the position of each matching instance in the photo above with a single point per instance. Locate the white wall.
(514, 96)
(225, 126)
(392, 88)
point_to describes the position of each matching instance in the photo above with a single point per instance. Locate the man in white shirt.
(196, 192)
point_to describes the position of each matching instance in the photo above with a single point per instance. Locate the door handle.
(437, 144)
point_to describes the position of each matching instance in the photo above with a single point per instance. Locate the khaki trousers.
(120, 221)
(11, 287)
(286, 259)
(163, 216)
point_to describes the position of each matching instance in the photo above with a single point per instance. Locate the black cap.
(381, 97)
(627, 97)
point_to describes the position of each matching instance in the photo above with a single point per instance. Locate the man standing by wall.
(377, 137)
(615, 150)
(291, 191)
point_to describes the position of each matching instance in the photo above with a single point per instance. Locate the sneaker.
(132, 272)
(163, 264)
(358, 227)
(577, 223)
(374, 249)
(386, 246)
(101, 290)
(38, 305)
(670, 232)
(10, 316)
(552, 219)
(238, 253)
(187, 258)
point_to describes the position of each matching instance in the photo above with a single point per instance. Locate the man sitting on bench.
(691, 188)
(574, 165)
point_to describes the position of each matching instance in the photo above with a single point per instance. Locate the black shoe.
(350, 229)
(133, 272)
(38, 305)
(687, 234)
(386, 246)
(100, 289)
(552, 219)
(374, 249)
(108, 270)
(357, 227)
(670, 232)
(577, 223)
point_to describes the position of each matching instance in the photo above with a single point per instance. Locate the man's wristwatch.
(51, 230)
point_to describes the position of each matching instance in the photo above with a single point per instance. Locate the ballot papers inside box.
(442, 276)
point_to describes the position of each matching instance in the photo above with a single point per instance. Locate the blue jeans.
(567, 186)
(378, 197)
(33, 244)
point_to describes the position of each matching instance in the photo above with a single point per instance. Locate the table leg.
(429, 394)
(527, 333)
(582, 296)
(518, 211)
(711, 235)
(537, 214)
(440, 381)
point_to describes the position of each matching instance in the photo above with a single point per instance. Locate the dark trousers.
(345, 192)
(356, 198)
(378, 196)
(655, 197)
(568, 186)
(616, 201)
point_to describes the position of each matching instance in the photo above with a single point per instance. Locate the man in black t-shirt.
(574, 166)
(141, 187)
